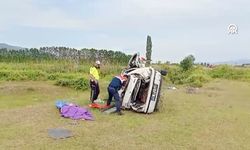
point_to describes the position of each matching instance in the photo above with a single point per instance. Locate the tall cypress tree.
(148, 49)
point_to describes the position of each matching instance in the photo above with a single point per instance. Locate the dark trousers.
(95, 90)
(114, 93)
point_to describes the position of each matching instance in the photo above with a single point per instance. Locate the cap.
(98, 62)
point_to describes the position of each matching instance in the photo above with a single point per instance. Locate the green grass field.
(217, 116)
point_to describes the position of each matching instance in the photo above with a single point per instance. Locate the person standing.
(113, 88)
(94, 82)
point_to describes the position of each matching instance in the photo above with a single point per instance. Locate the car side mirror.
(163, 72)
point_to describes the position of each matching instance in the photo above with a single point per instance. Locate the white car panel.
(129, 90)
(154, 93)
(141, 79)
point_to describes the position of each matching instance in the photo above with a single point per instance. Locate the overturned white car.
(142, 91)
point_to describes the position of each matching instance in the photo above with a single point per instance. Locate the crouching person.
(113, 88)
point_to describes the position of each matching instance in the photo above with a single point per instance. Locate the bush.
(187, 63)
(22, 75)
(229, 72)
(53, 76)
(220, 72)
(78, 84)
(4, 74)
(177, 76)
(195, 77)
(111, 70)
(35, 75)
(197, 80)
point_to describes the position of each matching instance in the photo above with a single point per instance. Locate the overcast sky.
(178, 28)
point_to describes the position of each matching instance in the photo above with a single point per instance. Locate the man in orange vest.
(113, 88)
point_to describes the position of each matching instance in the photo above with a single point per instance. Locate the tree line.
(64, 53)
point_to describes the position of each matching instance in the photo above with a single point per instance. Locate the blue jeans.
(114, 93)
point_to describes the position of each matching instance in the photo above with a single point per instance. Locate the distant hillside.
(235, 62)
(10, 47)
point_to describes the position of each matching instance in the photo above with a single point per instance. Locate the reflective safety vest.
(93, 71)
(117, 82)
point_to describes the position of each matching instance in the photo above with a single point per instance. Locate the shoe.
(99, 101)
(119, 113)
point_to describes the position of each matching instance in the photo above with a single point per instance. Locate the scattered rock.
(171, 88)
(214, 88)
(74, 122)
(192, 90)
(30, 89)
(58, 133)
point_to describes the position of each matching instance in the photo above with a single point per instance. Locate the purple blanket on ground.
(75, 112)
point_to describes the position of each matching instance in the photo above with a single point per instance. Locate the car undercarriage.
(142, 90)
